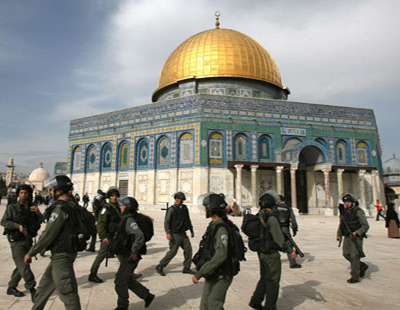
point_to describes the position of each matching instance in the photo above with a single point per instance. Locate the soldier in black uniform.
(212, 261)
(268, 255)
(21, 221)
(60, 237)
(177, 222)
(107, 225)
(287, 219)
(353, 226)
(129, 255)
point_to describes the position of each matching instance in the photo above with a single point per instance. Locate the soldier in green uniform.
(129, 254)
(353, 226)
(177, 222)
(21, 221)
(211, 262)
(107, 224)
(273, 241)
(60, 239)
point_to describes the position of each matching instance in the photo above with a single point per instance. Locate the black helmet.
(349, 197)
(130, 203)
(25, 187)
(180, 196)
(222, 195)
(213, 202)
(267, 200)
(101, 195)
(77, 197)
(59, 182)
(113, 191)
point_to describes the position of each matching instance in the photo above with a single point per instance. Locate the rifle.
(28, 238)
(340, 243)
(166, 207)
(296, 247)
(359, 249)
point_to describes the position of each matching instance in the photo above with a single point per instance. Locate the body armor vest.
(180, 219)
(207, 251)
(67, 239)
(350, 217)
(113, 219)
(26, 218)
(283, 214)
(267, 244)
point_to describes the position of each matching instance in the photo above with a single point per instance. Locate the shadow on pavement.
(173, 298)
(294, 295)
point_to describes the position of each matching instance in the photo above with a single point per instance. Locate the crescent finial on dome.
(217, 15)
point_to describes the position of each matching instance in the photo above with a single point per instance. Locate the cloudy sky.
(61, 60)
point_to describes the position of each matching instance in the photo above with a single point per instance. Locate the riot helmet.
(113, 190)
(59, 182)
(130, 203)
(267, 200)
(349, 198)
(214, 203)
(101, 195)
(25, 187)
(180, 195)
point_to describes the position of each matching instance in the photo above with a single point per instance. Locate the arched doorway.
(309, 157)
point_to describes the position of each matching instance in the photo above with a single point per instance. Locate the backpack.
(146, 225)
(82, 221)
(237, 249)
(122, 243)
(252, 228)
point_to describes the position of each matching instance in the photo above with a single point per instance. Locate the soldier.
(129, 255)
(268, 255)
(353, 226)
(21, 221)
(287, 219)
(211, 260)
(107, 224)
(86, 200)
(59, 238)
(177, 222)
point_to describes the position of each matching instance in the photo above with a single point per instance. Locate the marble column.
(293, 185)
(363, 200)
(327, 183)
(254, 185)
(374, 183)
(239, 184)
(279, 188)
(339, 174)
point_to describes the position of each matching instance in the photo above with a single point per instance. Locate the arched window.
(186, 149)
(341, 152)
(106, 156)
(292, 142)
(91, 158)
(215, 148)
(76, 158)
(362, 153)
(163, 152)
(264, 150)
(321, 141)
(123, 160)
(241, 151)
(143, 153)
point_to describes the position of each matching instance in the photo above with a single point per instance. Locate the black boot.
(14, 291)
(188, 271)
(363, 269)
(353, 280)
(148, 300)
(94, 278)
(160, 270)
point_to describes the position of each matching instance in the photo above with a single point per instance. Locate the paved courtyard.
(320, 284)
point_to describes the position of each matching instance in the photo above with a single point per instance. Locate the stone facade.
(240, 146)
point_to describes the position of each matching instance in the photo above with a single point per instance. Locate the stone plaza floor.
(320, 284)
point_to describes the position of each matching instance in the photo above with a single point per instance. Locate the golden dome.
(219, 53)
